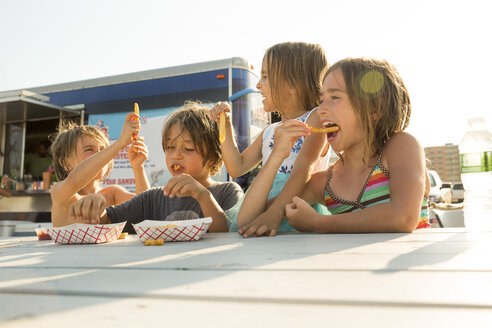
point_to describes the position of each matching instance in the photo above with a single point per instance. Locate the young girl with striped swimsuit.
(379, 183)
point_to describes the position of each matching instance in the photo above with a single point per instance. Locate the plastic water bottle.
(476, 174)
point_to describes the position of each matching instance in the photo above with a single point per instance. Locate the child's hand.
(286, 135)
(137, 153)
(263, 225)
(183, 185)
(221, 113)
(220, 107)
(130, 128)
(87, 209)
(301, 215)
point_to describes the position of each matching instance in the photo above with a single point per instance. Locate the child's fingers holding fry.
(168, 188)
(72, 212)
(137, 153)
(132, 116)
(138, 146)
(94, 209)
(77, 214)
(88, 208)
(174, 186)
(139, 140)
(141, 150)
(220, 107)
(183, 185)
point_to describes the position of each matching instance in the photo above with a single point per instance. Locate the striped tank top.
(375, 191)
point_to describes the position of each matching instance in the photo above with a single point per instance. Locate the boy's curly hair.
(193, 117)
(64, 145)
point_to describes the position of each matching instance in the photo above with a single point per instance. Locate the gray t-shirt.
(153, 205)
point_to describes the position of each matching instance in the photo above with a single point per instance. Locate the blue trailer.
(106, 101)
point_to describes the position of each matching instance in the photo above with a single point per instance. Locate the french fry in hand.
(157, 242)
(136, 110)
(222, 127)
(324, 130)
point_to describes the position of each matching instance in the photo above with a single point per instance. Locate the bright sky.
(441, 48)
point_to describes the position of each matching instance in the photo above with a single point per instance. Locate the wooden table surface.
(430, 278)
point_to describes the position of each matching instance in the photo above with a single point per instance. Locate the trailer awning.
(18, 106)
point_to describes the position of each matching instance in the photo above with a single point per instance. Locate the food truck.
(30, 116)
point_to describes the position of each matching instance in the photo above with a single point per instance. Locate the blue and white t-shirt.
(288, 163)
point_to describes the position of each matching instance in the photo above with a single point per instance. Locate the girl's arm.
(141, 181)
(137, 155)
(256, 199)
(236, 163)
(406, 162)
(268, 221)
(85, 172)
(210, 207)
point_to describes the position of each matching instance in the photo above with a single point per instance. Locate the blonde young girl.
(290, 84)
(82, 157)
(379, 184)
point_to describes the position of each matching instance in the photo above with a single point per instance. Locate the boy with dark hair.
(191, 144)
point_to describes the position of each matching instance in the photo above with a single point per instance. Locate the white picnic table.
(429, 278)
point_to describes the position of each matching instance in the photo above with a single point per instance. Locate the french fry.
(221, 127)
(157, 242)
(324, 130)
(123, 235)
(168, 226)
(176, 167)
(136, 110)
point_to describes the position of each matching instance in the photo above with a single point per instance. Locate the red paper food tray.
(185, 230)
(86, 233)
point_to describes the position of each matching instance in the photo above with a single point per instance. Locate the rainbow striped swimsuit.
(375, 191)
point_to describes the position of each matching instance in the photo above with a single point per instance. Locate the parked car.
(447, 192)
(435, 194)
(446, 185)
(458, 193)
(446, 218)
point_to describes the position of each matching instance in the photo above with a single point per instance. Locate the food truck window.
(13, 149)
(2, 145)
(26, 119)
(37, 158)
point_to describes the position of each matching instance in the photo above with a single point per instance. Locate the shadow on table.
(431, 254)
(99, 274)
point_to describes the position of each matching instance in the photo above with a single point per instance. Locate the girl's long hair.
(65, 143)
(379, 98)
(297, 65)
